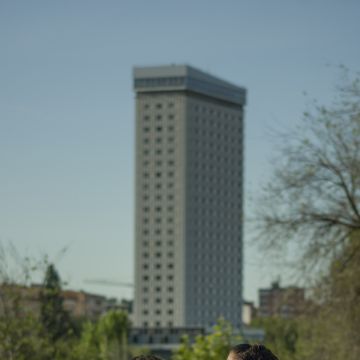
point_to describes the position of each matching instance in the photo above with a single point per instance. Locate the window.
(159, 106)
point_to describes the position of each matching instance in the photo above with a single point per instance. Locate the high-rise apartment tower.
(189, 196)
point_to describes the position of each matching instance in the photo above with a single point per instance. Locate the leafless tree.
(312, 202)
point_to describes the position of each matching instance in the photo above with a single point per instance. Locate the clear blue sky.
(67, 108)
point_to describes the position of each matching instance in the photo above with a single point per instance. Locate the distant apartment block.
(286, 302)
(189, 198)
(79, 304)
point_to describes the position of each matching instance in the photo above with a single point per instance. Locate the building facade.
(79, 304)
(285, 302)
(189, 198)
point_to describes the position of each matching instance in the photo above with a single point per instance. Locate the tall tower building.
(189, 198)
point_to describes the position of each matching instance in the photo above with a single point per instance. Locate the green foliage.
(24, 337)
(20, 338)
(312, 206)
(209, 347)
(281, 335)
(106, 339)
(55, 319)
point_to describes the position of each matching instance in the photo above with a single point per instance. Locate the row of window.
(158, 289)
(159, 300)
(158, 129)
(159, 105)
(159, 220)
(158, 243)
(158, 209)
(158, 117)
(158, 312)
(159, 255)
(157, 324)
(157, 277)
(158, 266)
(158, 151)
(217, 112)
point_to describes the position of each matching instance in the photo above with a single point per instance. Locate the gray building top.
(184, 77)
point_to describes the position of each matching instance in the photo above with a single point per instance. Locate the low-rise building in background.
(79, 304)
(286, 302)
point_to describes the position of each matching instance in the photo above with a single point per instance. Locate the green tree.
(55, 319)
(312, 206)
(281, 335)
(106, 339)
(312, 202)
(214, 346)
(21, 335)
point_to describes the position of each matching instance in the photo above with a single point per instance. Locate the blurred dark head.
(251, 352)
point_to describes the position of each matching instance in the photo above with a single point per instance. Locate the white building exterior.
(189, 198)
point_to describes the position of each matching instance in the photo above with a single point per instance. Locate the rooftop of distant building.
(185, 77)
